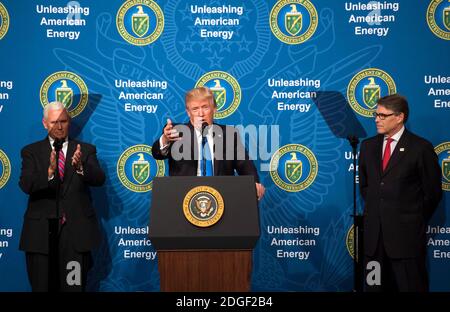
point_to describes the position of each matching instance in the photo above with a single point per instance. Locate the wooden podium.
(207, 270)
(213, 258)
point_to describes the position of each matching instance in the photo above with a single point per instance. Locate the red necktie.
(61, 163)
(387, 153)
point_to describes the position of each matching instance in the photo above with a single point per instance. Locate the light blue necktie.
(207, 155)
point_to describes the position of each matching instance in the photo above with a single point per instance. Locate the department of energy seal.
(293, 21)
(443, 153)
(226, 90)
(293, 167)
(67, 88)
(136, 168)
(4, 21)
(366, 87)
(438, 18)
(5, 169)
(140, 22)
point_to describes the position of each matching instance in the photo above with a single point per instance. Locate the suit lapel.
(195, 143)
(46, 149)
(379, 153)
(194, 150)
(399, 152)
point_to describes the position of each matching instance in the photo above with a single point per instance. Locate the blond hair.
(200, 93)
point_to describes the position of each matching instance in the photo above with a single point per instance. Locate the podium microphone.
(353, 140)
(57, 144)
(204, 125)
(53, 229)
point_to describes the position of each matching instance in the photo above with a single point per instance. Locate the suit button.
(382, 183)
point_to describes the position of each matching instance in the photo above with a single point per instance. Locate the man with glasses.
(66, 174)
(400, 182)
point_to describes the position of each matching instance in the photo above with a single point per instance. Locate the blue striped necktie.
(206, 154)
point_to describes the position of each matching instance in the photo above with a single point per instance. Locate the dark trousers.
(37, 267)
(398, 275)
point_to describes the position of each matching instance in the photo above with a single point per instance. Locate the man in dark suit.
(201, 140)
(400, 181)
(78, 233)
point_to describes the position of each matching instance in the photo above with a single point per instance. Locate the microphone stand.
(53, 229)
(358, 267)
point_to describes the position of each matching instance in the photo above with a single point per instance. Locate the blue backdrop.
(308, 72)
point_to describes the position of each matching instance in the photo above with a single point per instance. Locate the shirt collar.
(51, 140)
(396, 137)
(208, 134)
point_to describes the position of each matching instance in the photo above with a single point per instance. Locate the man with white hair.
(78, 232)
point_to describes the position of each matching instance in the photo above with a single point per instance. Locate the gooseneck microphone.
(354, 141)
(204, 125)
(57, 144)
(54, 228)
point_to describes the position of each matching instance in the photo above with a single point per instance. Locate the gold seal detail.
(203, 206)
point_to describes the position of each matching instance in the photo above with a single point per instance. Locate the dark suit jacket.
(81, 224)
(226, 160)
(399, 201)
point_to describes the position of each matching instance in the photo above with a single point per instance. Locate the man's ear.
(44, 123)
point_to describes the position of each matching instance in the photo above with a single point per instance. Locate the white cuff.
(163, 148)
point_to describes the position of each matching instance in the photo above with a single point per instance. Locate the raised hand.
(76, 158)
(260, 190)
(170, 133)
(52, 166)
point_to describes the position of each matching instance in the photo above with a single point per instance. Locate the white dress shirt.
(209, 137)
(395, 138)
(63, 149)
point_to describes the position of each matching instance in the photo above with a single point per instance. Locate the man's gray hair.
(53, 106)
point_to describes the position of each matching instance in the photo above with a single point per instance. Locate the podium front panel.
(238, 228)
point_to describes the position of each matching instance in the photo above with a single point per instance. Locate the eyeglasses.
(382, 116)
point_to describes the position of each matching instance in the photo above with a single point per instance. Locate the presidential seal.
(226, 90)
(67, 88)
(438, 18)
(293, 21)
(203, 206)
(140, 22)
(293, 167)
(443, 152)
(5, 169)
(366, 87)
(4, 21)
(136, 168)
